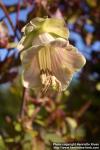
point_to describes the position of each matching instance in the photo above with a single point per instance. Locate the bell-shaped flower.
(48, 59)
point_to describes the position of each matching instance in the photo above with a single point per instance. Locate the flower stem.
(23, 104)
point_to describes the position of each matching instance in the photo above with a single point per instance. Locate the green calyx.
(49, 25)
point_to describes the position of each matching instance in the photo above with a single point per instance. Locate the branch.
(7, 15)
(17, 13)
(83, 109)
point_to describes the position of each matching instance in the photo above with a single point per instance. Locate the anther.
(42, 71)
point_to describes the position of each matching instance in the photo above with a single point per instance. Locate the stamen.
(47, 85)
(47, 78)
(53, 82)
(56, 83)
(48, 72)
(43, 78)
(42, 72)
(44, 58)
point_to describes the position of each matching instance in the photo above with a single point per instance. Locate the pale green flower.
(56, 27)
(47, 57)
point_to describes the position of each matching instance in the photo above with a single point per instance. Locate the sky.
(22, 16)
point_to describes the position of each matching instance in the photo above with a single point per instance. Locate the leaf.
(38, 144)
(71, 122)
(9, 140)
(11, 45)
(40, 122)
(80, 132)
(2, 145)
(98, 86)
(29, 135)
(30, 110)
(17, 126)
(92, 3)
(52, 137)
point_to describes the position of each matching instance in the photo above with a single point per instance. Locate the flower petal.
(39, 26)
(50, 25)
(34, 40)
(63, 75)
(31, 71)
(68, 54)
(56, 26)
(65, 63)
(27, 29)
(74, 58)
(26, 41)
(44, 38)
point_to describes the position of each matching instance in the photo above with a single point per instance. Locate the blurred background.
(70, 116)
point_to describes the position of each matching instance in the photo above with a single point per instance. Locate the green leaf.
(92, 3)
(98, 86)
(80, 132)
(30, 110)
(53, 138)
(9, 140)
(2, 145)
(40, 122)
(17, 126)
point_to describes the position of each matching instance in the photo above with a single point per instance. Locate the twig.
(7, 15)
(83, 109)
(18, 10)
